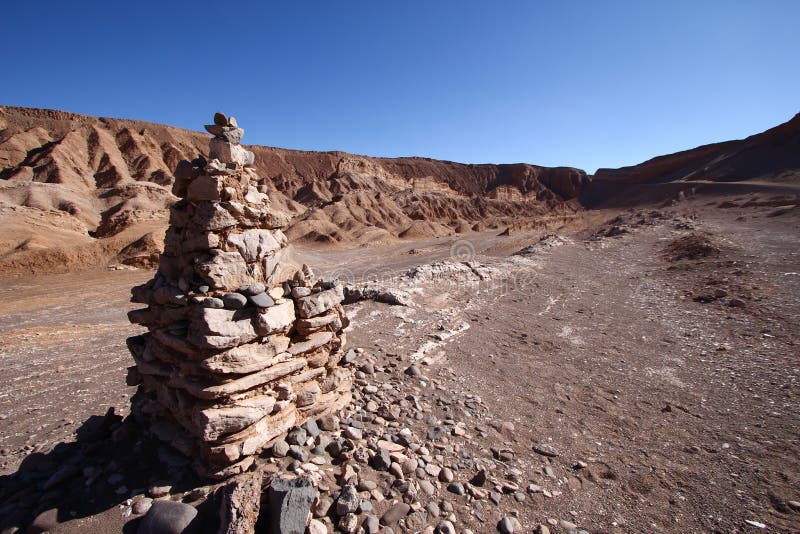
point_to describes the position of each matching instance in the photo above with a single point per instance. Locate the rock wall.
(241, 347)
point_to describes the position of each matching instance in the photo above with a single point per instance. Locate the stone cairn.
(240, 349)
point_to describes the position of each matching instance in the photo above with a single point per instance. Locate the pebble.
(395, 513)
(413, 370)
(794, 505)
(348, 523)
(315, 526)
(352, 433)
(348, 500)
(280, 449)
(567, 525)
(509, 524)
(142, 505)
(167, 516)
(297, 436)
(311, 428)
(212, 302)
(545, 450)
(371, 524)
(446, 475)
(456, 487)
(445, 527)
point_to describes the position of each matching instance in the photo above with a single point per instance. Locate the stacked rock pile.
(240, 347)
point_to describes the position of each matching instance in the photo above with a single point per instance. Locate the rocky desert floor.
(639, 375)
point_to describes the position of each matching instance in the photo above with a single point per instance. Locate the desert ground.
(634, 373)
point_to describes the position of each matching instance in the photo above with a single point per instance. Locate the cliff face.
(77, 190)
(768, 159)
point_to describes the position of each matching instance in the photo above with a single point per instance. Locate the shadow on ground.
(108, 467)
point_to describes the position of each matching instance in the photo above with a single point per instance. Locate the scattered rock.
(167, 517)
(289, 504)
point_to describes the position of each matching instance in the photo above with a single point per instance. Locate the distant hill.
(768, 160)
(78, 191)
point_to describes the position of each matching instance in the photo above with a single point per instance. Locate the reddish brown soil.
(686, 413)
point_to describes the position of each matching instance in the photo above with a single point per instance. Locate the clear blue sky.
(580, 83)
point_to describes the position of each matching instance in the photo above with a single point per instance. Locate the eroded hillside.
(79, 191)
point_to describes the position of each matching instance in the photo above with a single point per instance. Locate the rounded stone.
(262, 300)
(212, 302)
(234, 301)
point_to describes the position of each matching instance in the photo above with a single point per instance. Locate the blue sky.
(585, 84)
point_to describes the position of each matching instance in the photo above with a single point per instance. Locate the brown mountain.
(77, 190)
(766, 161)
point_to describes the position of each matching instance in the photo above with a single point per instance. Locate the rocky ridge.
(78, 191)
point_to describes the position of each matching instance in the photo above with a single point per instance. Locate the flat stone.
(318, 303)
(275, 318)
(220, 119)
(545, 450)
(167, 517)
(227, 270)
(254, 245)
(262, 300)
(249, 357)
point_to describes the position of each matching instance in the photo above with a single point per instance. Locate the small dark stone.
(299, 453)
(348, 500)
(211, 302)
(262, 300)
(220, 119)
(253, 289)
(456, 487)
(413, 370)
(479, 479)
(311, 428)
(234, 301)
(297, 436)
(382, 460)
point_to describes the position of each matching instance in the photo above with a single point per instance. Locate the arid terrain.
(625, 359)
